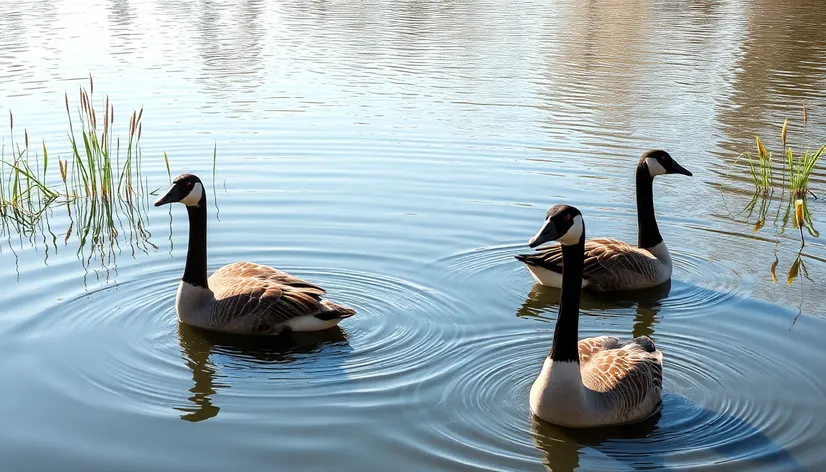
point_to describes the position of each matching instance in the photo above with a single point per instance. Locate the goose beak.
(678, 169)
(172, 195)
(547, 233)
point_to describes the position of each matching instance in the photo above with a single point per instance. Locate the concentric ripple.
(124, 344)
(710, 410)
(483, 259)
(494, 266)
(699, 286)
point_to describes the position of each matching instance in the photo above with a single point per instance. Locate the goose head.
(659, 162)
(563, 223)
(186, 189)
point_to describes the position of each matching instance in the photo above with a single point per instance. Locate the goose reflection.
(561, 447)
(543, 301)
(670, 433)
(200, 348)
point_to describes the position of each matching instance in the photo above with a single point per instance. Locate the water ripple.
(134, 356)
(708, 411)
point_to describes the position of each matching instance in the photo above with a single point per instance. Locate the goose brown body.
(611, 264)
(597, 381)
(244, 297)
(257, 299)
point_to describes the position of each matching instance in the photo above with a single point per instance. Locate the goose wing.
(256, 298)
(246, 270)
(589, 347)
(609, 263)
(628, 378)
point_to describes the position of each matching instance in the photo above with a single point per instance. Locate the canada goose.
(244, 297)
(597, 381)
(611, 264)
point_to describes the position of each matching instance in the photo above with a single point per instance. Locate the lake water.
(399, 154)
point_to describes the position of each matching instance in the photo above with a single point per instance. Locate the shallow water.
(398, 154)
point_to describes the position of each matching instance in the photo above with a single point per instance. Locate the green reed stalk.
(801, 169)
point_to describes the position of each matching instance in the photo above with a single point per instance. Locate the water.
(398, 154)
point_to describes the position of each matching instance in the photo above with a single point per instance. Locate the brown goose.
(244, 297)
(597, 381)
(611, 264)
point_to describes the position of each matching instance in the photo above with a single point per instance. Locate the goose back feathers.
(611, 264)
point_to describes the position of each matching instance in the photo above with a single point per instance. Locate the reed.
(795, 169)
(761, 168)
(93, 169)
(800, 169)
(98, 182)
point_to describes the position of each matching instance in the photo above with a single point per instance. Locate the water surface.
(398, 154)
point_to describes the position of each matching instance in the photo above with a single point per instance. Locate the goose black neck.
(648, 232)
(196, 255)
(566, 334)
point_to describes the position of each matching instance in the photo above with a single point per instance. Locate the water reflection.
(778, 60)
(681, 434)
(102, 229)
(230, 45)
(561, 448)
(199, 347)
(543, 301)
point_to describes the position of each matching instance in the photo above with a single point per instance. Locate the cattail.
(798, 212)
(66, 100)
(761, 149)
(26, 137)
(140, 127)
(11, 121)
(784, 131)
(798, 218)
(106, 117)
(63, 164)
(140, 114)
(91, 84)
(805, 115)
(132, 124)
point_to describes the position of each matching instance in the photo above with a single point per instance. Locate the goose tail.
(333, 311)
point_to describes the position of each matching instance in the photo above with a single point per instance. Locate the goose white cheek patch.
(573, 235)
(194, 196)
(654, 167)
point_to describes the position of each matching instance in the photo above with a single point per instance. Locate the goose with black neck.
(244, 297)
(597, 381)
(611, 264)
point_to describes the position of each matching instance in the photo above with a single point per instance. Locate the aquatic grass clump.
(97, 183)
(795, 171)
(96, 160)
(800, 169)
(761, 168)
(23, 192)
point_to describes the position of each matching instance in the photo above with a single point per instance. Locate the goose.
(244, 297)
(611, 264)
(597, 381)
